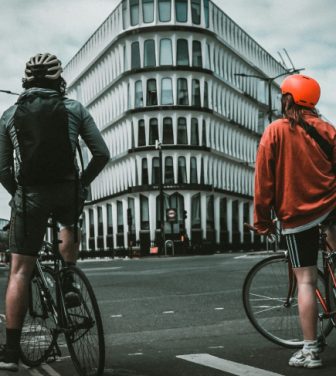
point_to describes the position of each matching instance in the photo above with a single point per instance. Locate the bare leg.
(68, 248)
(17, 290)
(307, 280)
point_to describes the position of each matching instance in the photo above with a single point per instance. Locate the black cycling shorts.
(27, 230)
(303, 246)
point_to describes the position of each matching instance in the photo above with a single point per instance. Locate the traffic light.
(184, 214)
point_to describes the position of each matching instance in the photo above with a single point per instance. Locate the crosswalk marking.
(234, 368)
(50, 371)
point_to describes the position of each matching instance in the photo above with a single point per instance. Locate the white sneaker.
(305, 358)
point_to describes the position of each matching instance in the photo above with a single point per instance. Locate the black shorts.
(303, 246)
(27, 230)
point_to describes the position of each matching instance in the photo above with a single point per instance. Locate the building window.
(109, 219)
(182, 56)
(166, 91)
(91, 224)
(210, 220)
(141, 133)
(124, 14)
(120, 217)
(206, 95)
(196, 94)
(194, 132)
(153, 131)
(204, 140)
(144, 170)
(135, 58)
(196, 211)
(167, 134)
(193, 170)
(166, 57)
(182, 170)
(138, 98)
(148, 10)
(134, 8)
(100, 221)
(149, 51)
(235, 216)
(196, 11)
(164, 10)
(206, 12)
(181, 10)
(144, 212)
(182, 131)
(131, 207)
(151, 93)
(155, 171)
(169, 171)
(196, 53)
(182, 91)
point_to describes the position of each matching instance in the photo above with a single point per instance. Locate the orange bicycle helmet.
(305, 90)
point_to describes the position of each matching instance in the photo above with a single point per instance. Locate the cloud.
(303, 27)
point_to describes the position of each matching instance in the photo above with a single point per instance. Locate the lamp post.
(8, 92)
(158, 146)
(269, 81)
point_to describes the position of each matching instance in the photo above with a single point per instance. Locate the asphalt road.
(179, 316)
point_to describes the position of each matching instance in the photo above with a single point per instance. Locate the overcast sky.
(306, 28)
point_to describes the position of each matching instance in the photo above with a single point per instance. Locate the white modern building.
(164, 70)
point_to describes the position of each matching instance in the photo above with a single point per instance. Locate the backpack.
(46, 156)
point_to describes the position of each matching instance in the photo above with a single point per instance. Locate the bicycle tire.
(38, 334)
(85, 335)
(265, 286)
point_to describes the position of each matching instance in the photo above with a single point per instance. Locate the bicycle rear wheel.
(85, 336)
(38, 332)
(270, 302)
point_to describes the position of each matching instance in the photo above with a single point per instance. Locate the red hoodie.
(293, 175)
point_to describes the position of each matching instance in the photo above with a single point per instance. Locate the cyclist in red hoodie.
(295, 177)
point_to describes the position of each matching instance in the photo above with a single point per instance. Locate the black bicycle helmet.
(43, 66)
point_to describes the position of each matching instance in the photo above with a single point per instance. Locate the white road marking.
(116, 316)
(216, 347)
(135, 354)
(35, 372)
(168, 312)
(50, 371)
(100, 269)
(219, 308)
(234, 368)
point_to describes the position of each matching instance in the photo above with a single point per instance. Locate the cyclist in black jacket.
(34, 169)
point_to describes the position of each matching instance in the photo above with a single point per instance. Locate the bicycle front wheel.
(270, 301)
(84, 335)
(38, 332)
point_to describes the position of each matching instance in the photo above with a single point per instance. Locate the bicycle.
(270, 296)
(49, 315)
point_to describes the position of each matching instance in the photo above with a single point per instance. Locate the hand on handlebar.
(268, 232)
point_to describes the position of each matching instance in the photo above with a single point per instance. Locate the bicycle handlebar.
(270, 237)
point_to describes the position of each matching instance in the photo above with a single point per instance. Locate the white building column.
(217, 217)
(203, 214)
(229, 218)
(137, 222)
(152, 214)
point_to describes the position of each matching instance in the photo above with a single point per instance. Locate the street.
(179, 316)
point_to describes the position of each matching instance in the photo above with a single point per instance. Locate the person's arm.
(96, 144)
(6, 160)
(264, 187)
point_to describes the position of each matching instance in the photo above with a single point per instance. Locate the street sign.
(171, 215)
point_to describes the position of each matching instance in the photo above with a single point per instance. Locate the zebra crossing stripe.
(234, 368)
(50, 371)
